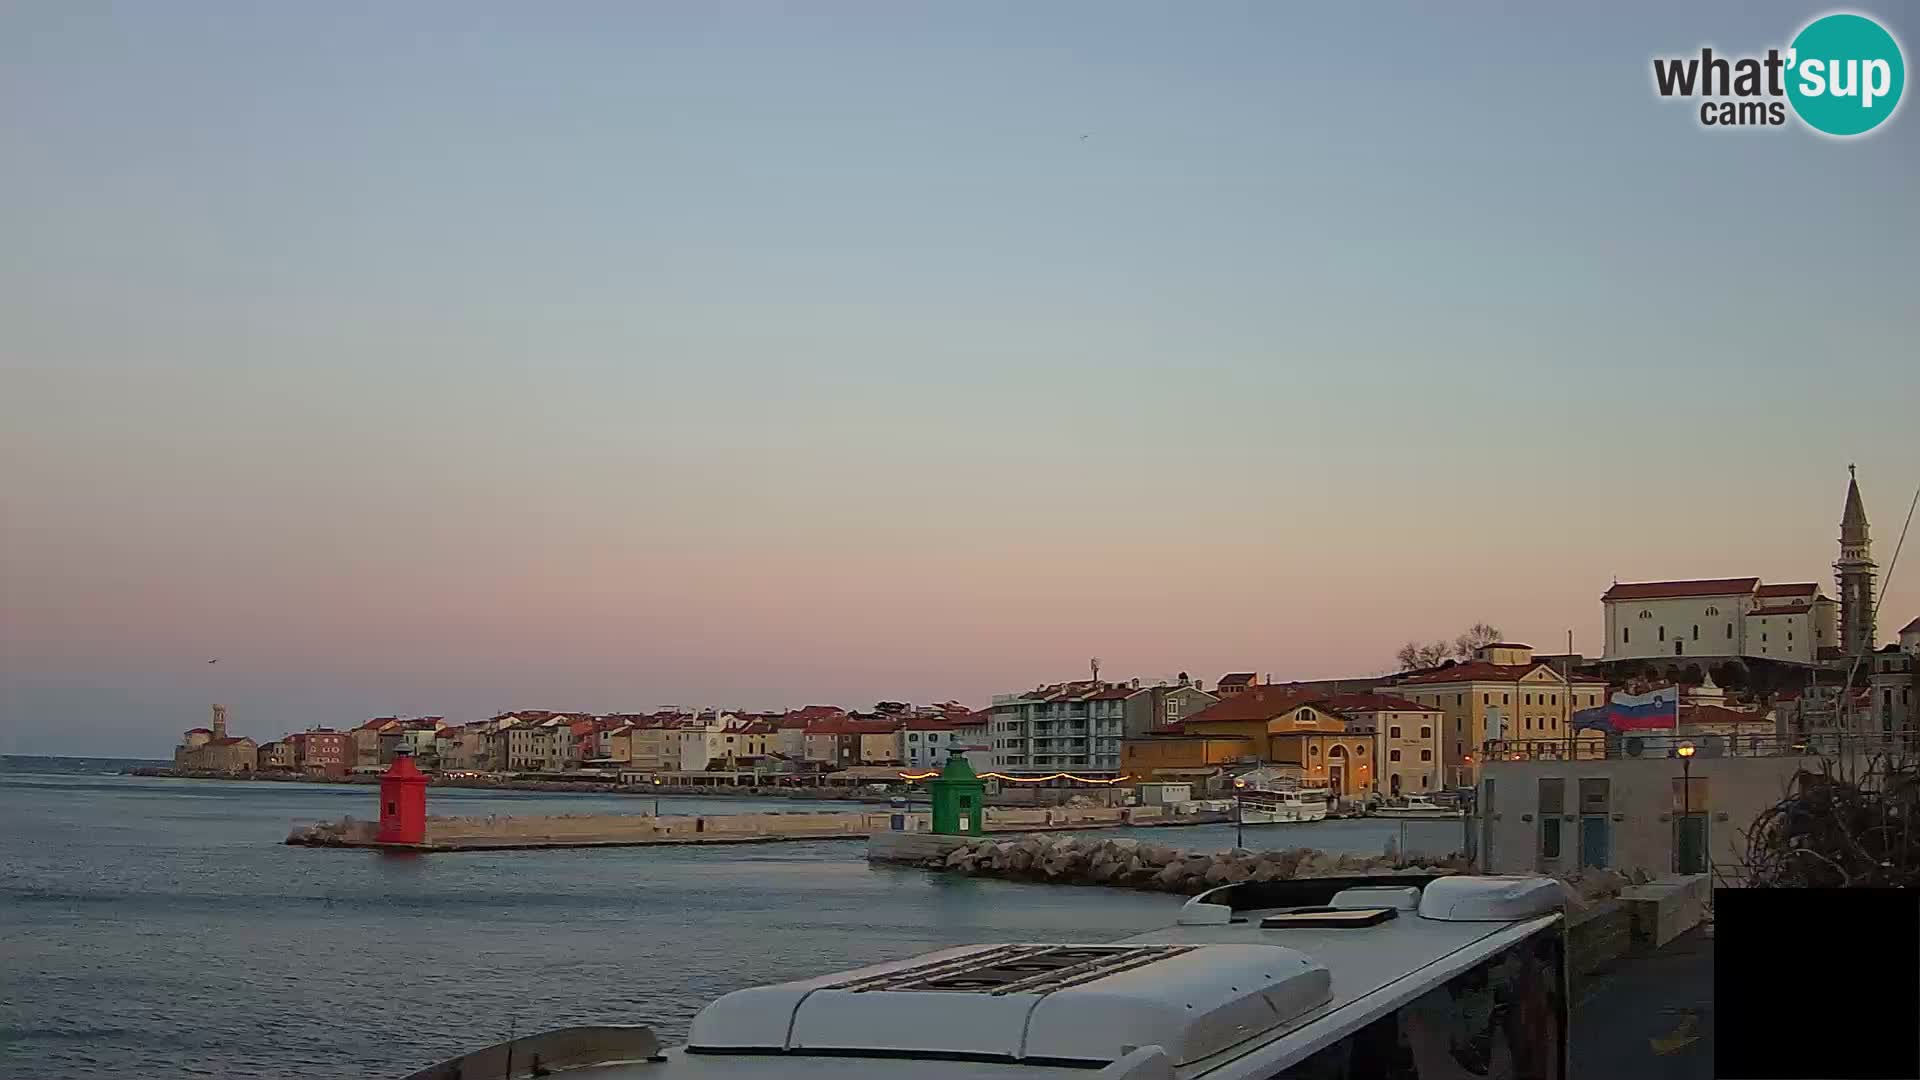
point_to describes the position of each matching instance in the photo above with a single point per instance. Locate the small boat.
(1265, 807)
(1415, 806)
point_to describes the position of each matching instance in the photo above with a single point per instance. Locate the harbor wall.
(589, 830)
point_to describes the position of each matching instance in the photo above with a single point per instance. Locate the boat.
(1282, 980)
(1416, 806)
(1271, 807)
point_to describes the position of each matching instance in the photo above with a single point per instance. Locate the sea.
(159, 927)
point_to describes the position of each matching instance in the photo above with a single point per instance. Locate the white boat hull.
(1424, 813)
(1281, 813)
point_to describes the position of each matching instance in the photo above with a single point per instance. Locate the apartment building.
(1065, 727)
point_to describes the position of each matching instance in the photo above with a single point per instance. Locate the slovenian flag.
(1655, 711)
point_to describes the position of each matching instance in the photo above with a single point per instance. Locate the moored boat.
(1416, 806)
(1281, 807)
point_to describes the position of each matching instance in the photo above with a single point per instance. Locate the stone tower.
(1854, 572)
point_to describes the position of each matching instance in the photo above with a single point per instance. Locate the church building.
(1743, 618)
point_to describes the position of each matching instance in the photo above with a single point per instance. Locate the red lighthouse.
(403, 803)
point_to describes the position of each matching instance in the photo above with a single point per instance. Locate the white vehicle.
(1416, 806)
(1328, 979)
(1276, 807)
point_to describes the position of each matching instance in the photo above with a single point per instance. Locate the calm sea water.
(158, 927)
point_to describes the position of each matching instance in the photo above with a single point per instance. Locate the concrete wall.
(1639, 821)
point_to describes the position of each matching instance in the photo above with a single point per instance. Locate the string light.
(1025, 779)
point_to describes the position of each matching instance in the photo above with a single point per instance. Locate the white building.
(926, 741)
(1720, 618)
(1072, 727)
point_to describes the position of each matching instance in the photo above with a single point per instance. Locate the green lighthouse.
(957, 796)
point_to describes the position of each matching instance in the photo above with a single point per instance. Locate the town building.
(1500, 694)
(1238, 682)
(1205, 761)
(926, 741)
(1286, 726)
(1073, 727)
(212, 750)
(1718, 618)
(276, 756)
(322, 752)
(1406, 739)
(1150, 707)
(1554, 816)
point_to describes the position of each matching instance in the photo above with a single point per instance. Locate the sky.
(453, 357)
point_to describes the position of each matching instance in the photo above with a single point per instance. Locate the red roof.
(758, 727)
(1482, 671)
(1783, 609)
(1795, 589)
(936, 723)
(1258, 703)
(1667, 590)
(1366, 703)
(835, 725)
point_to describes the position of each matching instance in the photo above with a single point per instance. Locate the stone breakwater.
(1137, 864)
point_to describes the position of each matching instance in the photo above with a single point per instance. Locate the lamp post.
(1239, 814)
(1685, 751)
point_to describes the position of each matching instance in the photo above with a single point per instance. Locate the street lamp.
(1685, 751)
(1239, 814)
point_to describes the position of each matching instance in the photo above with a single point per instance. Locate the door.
(1692, 844)
(1593, 840)
(1336, 776)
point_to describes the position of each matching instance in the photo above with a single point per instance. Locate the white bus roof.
(1218, 996)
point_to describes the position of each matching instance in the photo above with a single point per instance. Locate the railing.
(1627, 747)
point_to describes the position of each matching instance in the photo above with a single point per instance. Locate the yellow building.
(211, 750)
(1406, 739)
(1501, 694)
(1285, 725)
(1183, 757)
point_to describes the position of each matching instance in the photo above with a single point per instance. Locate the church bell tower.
(1854, 572)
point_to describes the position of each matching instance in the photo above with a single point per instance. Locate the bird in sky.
(215, 660)
(1083, 138)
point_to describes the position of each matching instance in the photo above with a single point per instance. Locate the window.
(1393, 755)
(1789, 635)
(1426, 755)
(1458, 699)
(914, 736)
(1626, 635)
(1529, 699)
(1549, 837)
(1313, 751)
(1523, 980)
(1663, 633)
(1359, 751)
(1393, 732)
(1505, 699)
(1679, 648)
(1729, 631)
(1713, 611)
(1486, 699)
(1696, 631)
(1527, 723)
(1426, 733)
(1763, 637)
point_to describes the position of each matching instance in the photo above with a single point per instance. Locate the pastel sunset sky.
(450, 357)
